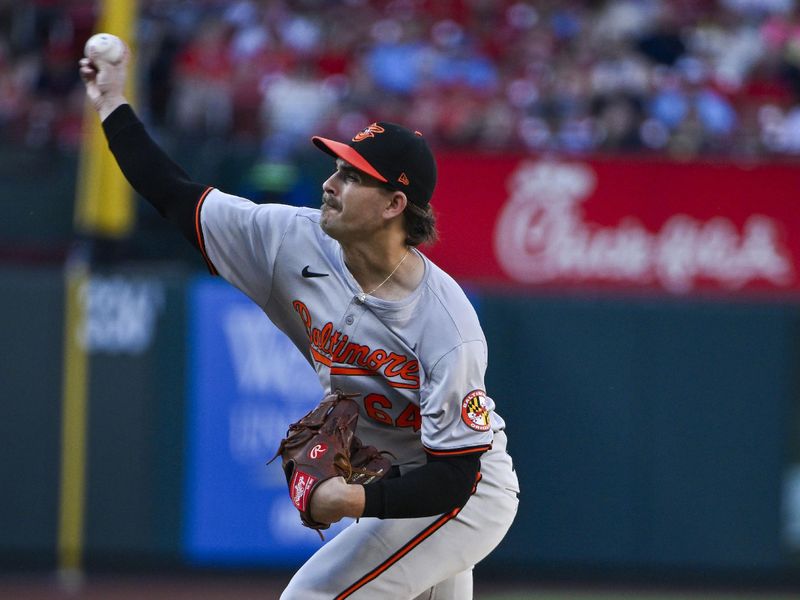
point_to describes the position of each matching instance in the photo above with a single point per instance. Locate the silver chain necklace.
(362, 296)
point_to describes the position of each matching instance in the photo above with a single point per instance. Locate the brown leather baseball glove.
(322, 445)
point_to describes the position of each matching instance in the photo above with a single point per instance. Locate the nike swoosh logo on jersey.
(307, 273)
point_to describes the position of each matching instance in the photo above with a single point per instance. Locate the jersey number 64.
(410, 417)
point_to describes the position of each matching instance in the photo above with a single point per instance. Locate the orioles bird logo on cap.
(368, 132)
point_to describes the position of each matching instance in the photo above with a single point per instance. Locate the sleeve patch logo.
(475, 412)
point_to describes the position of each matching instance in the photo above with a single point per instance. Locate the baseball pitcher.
(382, 326)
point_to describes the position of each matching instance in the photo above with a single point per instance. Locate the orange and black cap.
(392, 154)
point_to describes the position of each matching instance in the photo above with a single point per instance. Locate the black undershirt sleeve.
(441, 485)
(151, 172)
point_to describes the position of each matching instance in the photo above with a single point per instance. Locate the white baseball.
(104, 46)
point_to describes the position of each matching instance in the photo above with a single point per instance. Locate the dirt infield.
(204, 586)
(140, 587)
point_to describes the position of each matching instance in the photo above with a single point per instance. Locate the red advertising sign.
(673, 227)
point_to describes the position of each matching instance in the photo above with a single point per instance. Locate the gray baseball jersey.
(417, 364)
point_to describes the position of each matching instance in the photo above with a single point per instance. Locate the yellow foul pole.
(103, 209)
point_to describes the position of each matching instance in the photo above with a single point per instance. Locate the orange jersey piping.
(408, 547)
(456, 451)
(201, 242)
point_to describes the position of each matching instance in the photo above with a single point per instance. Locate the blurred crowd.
(680, 77)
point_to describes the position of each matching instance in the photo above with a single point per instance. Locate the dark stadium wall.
(30, 402)
(647, 434)
(136, 419)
